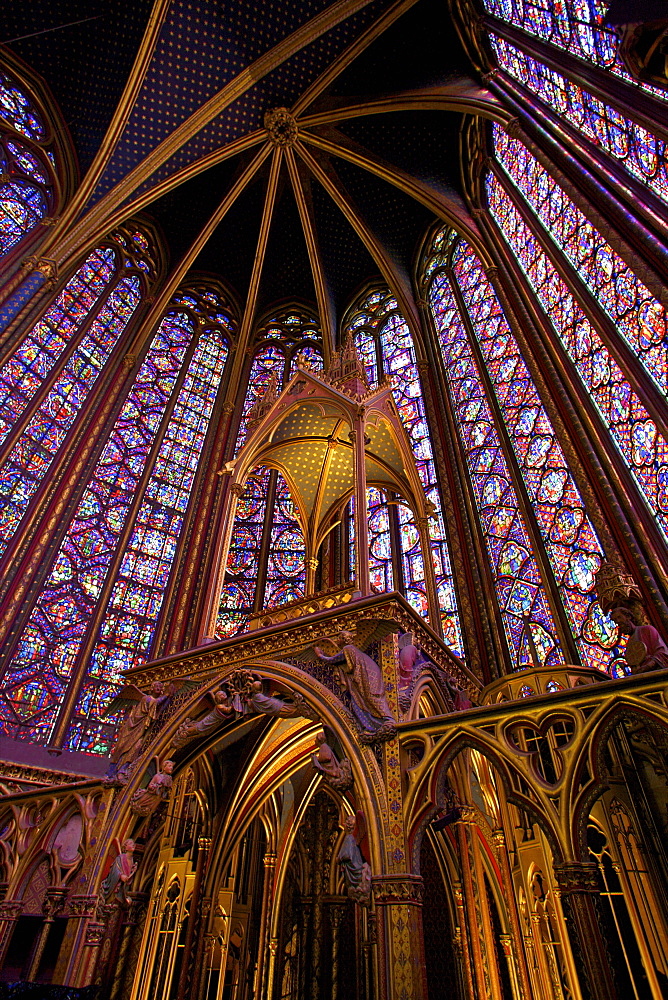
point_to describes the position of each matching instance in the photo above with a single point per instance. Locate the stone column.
(269, 863)
(311, 567)
(203, 845)
(52, 905)
(579, 887)
(125, 963)
(336, 912)
(80, 911)
(361, 524)
(514, 947)
(10, 911)
(401, 964)
(462, 941)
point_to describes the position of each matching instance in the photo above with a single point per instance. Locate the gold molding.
(242, 82)
(399, 284)
(325, 304)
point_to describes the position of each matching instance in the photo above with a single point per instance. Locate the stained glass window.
(238, 593)
(266, 518)
(126, 632)
(46, 381)
(525, 609)
(570, 541)
(286, 569)
(43, 435)
(632, 429)
(381, 573)
(573, 25)
(640, 152)
(383, 338)
(17, 109)
(26, 189)
(33, 361)
(101, 596)
(638, 316)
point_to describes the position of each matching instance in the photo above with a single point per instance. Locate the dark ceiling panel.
(396, 219)
(85, 65)
(183, 212)
(347, 261)
(281, 88)
(420, 49)
(287, 270)
(422, 143)
(231, 250)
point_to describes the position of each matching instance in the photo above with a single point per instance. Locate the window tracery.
(105, 589)
(574, 25)
(641, 153)
(638, 316)
(46, 382)
(385, 346)
(27, 180)
(630, 425)
(572, 547)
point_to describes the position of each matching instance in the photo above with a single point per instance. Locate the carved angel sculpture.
(337, 773)
(120, 873)
(356, 870)
(646, 649)
(142, 708)
(364, 680)
(247, 697)
(145, 801)
(217, 717)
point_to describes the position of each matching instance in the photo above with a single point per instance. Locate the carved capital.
(237, 489)
(312, 563)
(53, 902)
(492, 273)
(468, 814)
(499, 840)
(11, 909)
(423, 366)
(130, 360)
(514, 129)
(81, 906)
(388, 889)
(577, 876)
(94, 935)
(45, 266)
(228, 408)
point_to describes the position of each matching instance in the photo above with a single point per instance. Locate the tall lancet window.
(28, 186)
(527, 498)
(100, 605)
(640, 152)
(601, 291)
(266, 558)
(385, 345)
(46, 383)
(576, 26)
